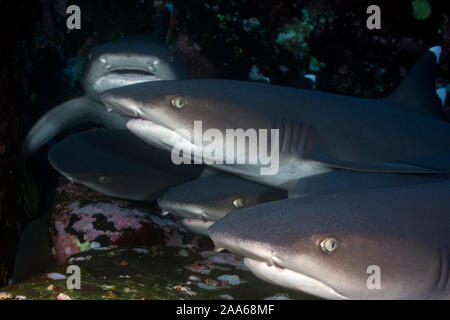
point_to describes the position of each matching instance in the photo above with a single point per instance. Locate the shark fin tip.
(311, 77)
(442, 94)
(437, 50)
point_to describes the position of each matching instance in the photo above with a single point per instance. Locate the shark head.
(177, 104)
(128, 61)
(117, 164)
(336, 249)
(211, 197)
(170, 114)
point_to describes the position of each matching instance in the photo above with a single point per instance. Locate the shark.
(117, 164)
(209, 198)
(134, 59)
(386, 243)
(313, 132)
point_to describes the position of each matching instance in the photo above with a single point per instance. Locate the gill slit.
(293, 135)
(443, 280)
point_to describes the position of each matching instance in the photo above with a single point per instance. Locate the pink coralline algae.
(65, 245)
(84, 220)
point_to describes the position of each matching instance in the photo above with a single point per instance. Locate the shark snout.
(241, 246)
(180, 209)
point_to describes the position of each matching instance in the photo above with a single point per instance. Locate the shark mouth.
(198, 226)
(266, 265)
(160, 136)
(290, 279)
(123, 77)
(155, 134)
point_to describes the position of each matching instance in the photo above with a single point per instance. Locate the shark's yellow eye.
(178, 102)
(329, 245)
(238, 202)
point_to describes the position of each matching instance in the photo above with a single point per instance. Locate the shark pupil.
(179, 102)
(329, 245)
(238, 202)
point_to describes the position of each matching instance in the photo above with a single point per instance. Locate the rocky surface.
(83, 220)
(154, 272)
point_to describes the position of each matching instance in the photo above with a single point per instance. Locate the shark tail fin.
(417, 91)
(63, 116)
(162, 26)
(34, 254)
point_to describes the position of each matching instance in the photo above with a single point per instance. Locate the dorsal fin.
(162, 26)
(417, 91)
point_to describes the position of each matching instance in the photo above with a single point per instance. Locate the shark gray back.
(117, 164)
(388, 243)
(339, 181)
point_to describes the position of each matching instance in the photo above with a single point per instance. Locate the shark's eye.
(178, 102)
(102, 179)
(238, 202)
(329, 245)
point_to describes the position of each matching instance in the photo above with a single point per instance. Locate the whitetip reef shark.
(207, 199)
(134, 59)
(318, 131)
(386, 243)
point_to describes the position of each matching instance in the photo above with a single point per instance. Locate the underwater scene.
(224, 150)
